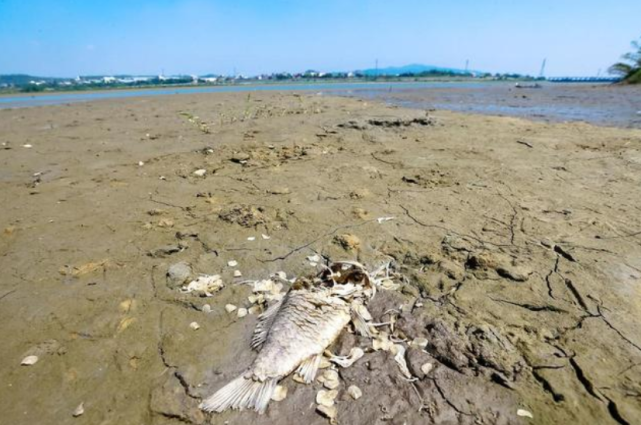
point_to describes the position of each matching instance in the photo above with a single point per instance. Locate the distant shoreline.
(258, 83)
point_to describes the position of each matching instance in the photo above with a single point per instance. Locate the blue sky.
(67, 38)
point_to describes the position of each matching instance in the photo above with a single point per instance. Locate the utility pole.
(542, 73)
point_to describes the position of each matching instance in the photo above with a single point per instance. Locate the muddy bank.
(519, 242)
(602, 104)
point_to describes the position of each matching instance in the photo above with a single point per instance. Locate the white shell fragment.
(140, 163)
(29, 360)
(419, 343)
(204, 285)
(314, 258)
(200, 173)
(525, 413)
(254, 309)
(242, 312)
(326, 398)
(384, 219)
(251, 238)
(232, 263)
(230, 308)
(382, 342)
(264, 236)
(78, 411)
(28, 146)
(280, 393)
(194, 325)
(328, 412)
(399, 358)
(354, 392)
(427, 368)
(329, 379)
(206, 308)
(237, 273)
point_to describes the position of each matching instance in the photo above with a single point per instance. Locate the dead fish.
(292, 334)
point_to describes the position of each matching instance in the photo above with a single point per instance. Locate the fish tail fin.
(241, 393)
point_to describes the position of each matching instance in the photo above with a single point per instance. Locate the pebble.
(140, 163)
(78, 411)
(242, 312)
(178, 273)
(194, 325)
(29, 360)
(232, 263)
(427, 368)
(230, 308)
(354, 392)
(237, 273)
(200, 173)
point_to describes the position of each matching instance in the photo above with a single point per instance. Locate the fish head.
(345, 274)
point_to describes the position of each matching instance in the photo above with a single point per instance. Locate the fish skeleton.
(292, 335)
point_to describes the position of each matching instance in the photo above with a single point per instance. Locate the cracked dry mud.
(522, 264)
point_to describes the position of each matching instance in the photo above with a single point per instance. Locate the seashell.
(326, 398)
(194, 325)
(383, 219)
(237, 273)
(327, 411)
(78, 411)
(242, 312)
(279, 393)
(230, 308)
(29, 360)
(354, 392)
(232, 263)
(427, 368)
(251, 238)
(200, 173)
(206, 308)
(265, 237)
(140, 163)
(525, 413)
(28, 146)
(419, 343)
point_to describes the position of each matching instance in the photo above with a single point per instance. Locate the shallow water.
(22, 101)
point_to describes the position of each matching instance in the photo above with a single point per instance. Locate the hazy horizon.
(69, 38)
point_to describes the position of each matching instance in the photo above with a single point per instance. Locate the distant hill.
(410, 69)
(24, 79)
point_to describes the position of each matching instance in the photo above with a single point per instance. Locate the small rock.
(240, 157)
(427, 368)
(419, 343)
(279, 393)
(165, 222)
(178, 274)
(237, 273)
(232, 263)
(78, 411)
(230, 308)
(242, 312)
(354, 392)
(518, 274)
(29, 361)
(200, 173)
(279, 191)
(194, 325)
(348, 241)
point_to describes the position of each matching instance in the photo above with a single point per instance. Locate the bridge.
(583, 79)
